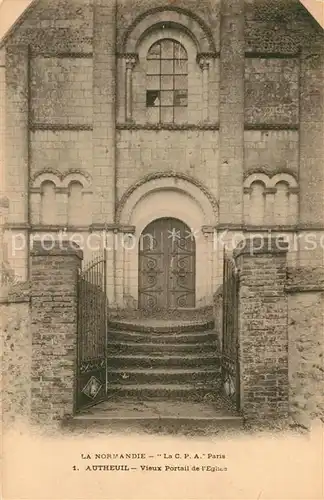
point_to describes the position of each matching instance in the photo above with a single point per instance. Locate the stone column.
(54, 329)
(130, 63)
(231, 112)
(269, 194)
(263, 328)
(204, 64)
(247, 204)
(104, 101)
(62, 195)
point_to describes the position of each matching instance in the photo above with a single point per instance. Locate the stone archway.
(175, 198)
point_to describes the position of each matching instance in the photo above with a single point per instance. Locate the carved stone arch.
(283, 177)
(77, 176)
(183, 18)
(256, 177)
(48, 175)
(168, 181)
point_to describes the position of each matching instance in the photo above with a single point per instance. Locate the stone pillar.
(62, 195)
(204, 64)
(130, 63)
(54, 329)
(231, 112)
(17, 150)
(104, 97)
(269, 194)
(263, 328)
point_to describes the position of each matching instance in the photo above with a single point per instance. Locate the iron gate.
(230, 341)
(92, 330)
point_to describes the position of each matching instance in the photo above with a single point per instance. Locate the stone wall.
(305, 331)
(271, 91)
(61, 90)
(16, 354)
(192, 152)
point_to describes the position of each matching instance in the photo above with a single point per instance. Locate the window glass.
(167, 81)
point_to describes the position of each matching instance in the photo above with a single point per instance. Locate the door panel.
(166, 266)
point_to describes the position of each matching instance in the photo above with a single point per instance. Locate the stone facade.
(84, 151)
(16, 355)
(305, 290)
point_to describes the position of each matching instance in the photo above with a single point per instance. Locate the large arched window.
(167, 81)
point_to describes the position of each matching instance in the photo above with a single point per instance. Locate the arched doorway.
(167, 265)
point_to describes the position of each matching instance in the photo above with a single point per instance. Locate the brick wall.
(54, 329)
(16, 353)
(263, 329)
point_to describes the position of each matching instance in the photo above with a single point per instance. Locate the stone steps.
(161, 326)
(190, 337)
(160, 348)
(162, 376)
(170, 392)
(163, 359)
(167, 361)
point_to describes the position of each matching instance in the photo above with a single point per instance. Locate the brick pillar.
(263, 320)
(54, 328)
(104, 97)
(231, 112)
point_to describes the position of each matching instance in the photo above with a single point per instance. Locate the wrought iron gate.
(230, 341)
(92, 330)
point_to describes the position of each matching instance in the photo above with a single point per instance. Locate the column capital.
(204, 59)
(131, 60)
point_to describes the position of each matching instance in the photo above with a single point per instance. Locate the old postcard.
(162, 249)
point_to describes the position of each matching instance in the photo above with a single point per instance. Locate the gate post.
(263, 328)
(54, 272)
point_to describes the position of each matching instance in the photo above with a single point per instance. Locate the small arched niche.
(48, 203)
(75, 203)
(257, 203)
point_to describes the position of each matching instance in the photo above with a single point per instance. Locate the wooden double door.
(167, 258)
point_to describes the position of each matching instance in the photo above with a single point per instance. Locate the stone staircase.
(158, 359)
(164, 376)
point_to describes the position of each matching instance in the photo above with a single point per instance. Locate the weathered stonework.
(76, 84)
(16, 354)
(305, 288)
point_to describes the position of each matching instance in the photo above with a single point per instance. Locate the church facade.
(163, 131)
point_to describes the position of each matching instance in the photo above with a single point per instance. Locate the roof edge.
(23, 16)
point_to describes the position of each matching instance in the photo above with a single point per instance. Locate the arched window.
(167, 81)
